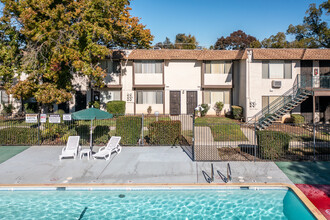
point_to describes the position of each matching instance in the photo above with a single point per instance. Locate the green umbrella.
(91, 114)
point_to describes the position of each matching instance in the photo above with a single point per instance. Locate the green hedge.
(116, 107)
(237, 112)
(206, 108)
(164, 132)
(18, 136)
(101, 135)
(297, 119)
(129, 129)
(272, 144)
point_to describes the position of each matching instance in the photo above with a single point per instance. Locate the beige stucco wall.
(217, 79)
(149, 79)
(258, 87)
(112, 79)
(183, 76)
(142, 108)
(127, 84)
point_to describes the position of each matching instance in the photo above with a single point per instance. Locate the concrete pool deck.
(167, 165)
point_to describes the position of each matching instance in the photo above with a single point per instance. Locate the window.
(218, 67)
(110, 66)
(148, 67)
(277, 69)
(211, 97)
(149, 97)
(4, 97)
(269, 100)
(106, 96)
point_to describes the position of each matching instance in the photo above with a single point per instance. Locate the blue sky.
(208, 20)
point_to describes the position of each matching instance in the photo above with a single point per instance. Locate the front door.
(175, 102)
(80, 101)
(191, 101)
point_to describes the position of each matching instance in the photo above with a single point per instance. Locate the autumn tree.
(183, 41)
(238, 40)
(59, 40)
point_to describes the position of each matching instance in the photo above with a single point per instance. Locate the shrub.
(101, 134)
(297, 119)
(206, 108)
(8, 109)
(53, 130)
(95, 104)
(31, 107)
(116, 107)
(272, 144)
(164, 132)
(218, 107)
(18, 136)
(129, 128)
(60, 112)
(149, 110)
(237, 112)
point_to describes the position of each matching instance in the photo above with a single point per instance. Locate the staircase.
(301, 89)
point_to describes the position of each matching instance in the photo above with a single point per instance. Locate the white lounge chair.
(72, 147)
(112, 146)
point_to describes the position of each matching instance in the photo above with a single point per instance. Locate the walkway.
(40, 165)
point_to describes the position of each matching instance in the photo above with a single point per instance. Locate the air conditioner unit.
(276, 84)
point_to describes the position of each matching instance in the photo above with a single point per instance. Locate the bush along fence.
(203, 138)
(244, 142)
(135, 130)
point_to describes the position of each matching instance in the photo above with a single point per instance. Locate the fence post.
(142, 138)
(255, 140)
(38, 127)
(314, 143)
(193, 138)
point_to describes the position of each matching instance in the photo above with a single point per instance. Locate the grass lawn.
(7, 152)
(222, 128)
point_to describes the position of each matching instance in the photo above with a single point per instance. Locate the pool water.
(152, 204)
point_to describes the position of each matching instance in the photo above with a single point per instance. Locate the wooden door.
(306, 70)
(175, 102)
(191, 101)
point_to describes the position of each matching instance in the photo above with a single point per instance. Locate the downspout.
(249, 59)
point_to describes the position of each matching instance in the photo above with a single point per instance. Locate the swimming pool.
(152, 203)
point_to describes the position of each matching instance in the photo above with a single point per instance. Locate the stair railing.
(300, 84)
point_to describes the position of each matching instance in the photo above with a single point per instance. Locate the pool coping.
(303, 198)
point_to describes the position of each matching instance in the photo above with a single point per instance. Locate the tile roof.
(219, 55)
(258, 54)
(277, 54)
(317, 54)
(164, 54)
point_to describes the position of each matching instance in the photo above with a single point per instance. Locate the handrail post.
(142, 138)
(193, 138)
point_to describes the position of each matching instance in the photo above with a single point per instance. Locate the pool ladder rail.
(225, 179)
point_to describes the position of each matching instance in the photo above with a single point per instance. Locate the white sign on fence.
(66, 117)
(54, 118)
(31, 118)
(43, 118)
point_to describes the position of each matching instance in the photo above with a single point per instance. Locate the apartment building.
(176, 81)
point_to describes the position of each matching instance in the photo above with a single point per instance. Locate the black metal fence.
(279, 142)
(136, 130)
(204, 140)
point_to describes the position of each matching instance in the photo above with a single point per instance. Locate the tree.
(275, 41)
(238, 40)
(167, 44)
(183, 41)
(59, 40)
(313, 32)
